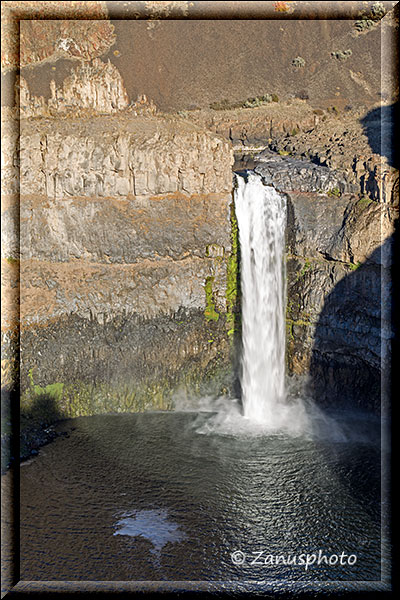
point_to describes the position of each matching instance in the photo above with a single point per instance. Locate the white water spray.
(268, 406)
(261, 215)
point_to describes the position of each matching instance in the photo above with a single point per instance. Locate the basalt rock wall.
(125, 240)
(338, 282)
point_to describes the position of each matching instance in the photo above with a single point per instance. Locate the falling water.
(261, 215)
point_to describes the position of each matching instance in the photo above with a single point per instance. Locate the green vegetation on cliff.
(354, 266)
(364, 201)
(12, 260)
(306, 267)
(46, 404)
(210, 313)
(334, 193)
(232, 274)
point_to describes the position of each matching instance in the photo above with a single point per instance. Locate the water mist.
(261, 216)
(265, 405)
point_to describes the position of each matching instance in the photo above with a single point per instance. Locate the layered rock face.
(256, 126)
(338, 283)
(125, 240)
(93, 86)
(358, 145)
(121, 254)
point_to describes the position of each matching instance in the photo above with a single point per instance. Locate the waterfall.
(267, 406)
(261, 216)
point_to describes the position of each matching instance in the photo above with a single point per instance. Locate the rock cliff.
(125, 244)
(120, 255)
(341, 183)
(339, 247)
(95, 86)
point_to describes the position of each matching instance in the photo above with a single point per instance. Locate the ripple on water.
(144, 497)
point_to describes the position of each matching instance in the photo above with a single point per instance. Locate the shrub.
(370, 18)
(341, 54)
(257, 101)
(334, 192)
(364, 201)
(354, 266)
(364, 24)
(302, 95)
(378, 11)
(298, 62)
(248, 103)
(306, 267)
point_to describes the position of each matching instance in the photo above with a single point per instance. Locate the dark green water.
(146, 497)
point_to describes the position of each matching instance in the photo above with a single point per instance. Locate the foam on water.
(152, 525)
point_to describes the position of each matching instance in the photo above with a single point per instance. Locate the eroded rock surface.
(118, 157)
(291, 174)
(256, 126)
(123, 222)
(358, 144)
(339, 286)
(92, 86)
(34, 32)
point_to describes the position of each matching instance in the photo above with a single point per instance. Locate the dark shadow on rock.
(10, 549)
(36, 424)
(9, 427)
(25, 430)
(351, 336)
(379, 127)
(345, 367)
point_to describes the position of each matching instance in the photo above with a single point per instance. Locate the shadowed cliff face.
(353, 351)
(379, 126)
(350, 354)
(337, 275)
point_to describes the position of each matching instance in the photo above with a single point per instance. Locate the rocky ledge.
(287, 173)
(339, 248)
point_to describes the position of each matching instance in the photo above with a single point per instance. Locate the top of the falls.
(287, 173)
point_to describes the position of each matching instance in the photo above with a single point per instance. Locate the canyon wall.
(120, 257)
(196, 59)
(122, 252)
(339, 248)
(123, 263)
